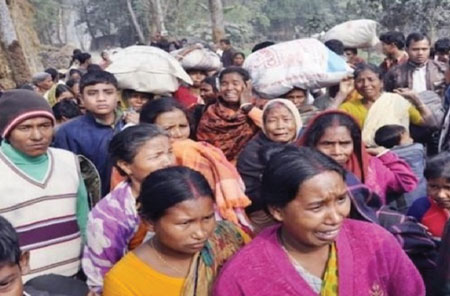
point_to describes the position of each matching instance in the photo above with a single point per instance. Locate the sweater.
(370, 262)
(45, 218)
(87, 136)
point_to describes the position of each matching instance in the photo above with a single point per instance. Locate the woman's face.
(297, 96)
(137, 101)
(231, 87)
(197, 77)
(153, 155)
(186, 227)
(175, 123)
(369, 85)
(67, 95)
(280, 125)
(337, 143)
(313, 219)
(439, 190)
(238, 60)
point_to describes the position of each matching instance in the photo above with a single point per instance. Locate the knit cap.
(20, 104)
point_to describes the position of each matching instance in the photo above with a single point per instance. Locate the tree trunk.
(218, 28)
(14, 52)
(90, 28)
(157, 17)
(136, 25)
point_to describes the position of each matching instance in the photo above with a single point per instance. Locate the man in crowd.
(393, 44)
(442, 50)
(228, 52)
(420, 73)
(52, 214)
(90, 134)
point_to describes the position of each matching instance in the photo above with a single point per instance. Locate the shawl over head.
(291, 107)
(358, 162)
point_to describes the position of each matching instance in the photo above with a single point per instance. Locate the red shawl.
(226, 129)
(358, 164)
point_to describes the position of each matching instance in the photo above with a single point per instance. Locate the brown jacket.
(401, 77)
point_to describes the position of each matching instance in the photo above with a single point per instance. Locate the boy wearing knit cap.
(90, 134)
(43, 195)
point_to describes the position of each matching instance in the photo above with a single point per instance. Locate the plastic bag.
(147, 69)
(197, 57)
(356, 34)
(302, 63)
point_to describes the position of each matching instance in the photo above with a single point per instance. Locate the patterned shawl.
(226, 129)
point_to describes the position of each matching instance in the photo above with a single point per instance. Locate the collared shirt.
(388, 63)
(419, 81)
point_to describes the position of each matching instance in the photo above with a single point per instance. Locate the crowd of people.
(215, 190)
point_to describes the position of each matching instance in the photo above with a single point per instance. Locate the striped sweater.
(44, 212)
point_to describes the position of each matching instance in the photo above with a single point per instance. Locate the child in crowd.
(397, 138)
(433, 210)
(90, 134)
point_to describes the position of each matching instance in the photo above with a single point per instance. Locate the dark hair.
(389, 135)
(288, 168)
(262, 45)
(93, 67)
(83, 57)
(211, 80)
(442, 45)
(152, 109)
(9, 243)
(62, 88)
(75, 54)
(438, 166)
(96, 77)
(125, 145)
(72, 71)
(53, 72)
(238, 70)
(239, 53)
(352, 49)
(393, 37)
(370, 67)
(66, 108)
(414, 37)
(128, 93)
(71, 82)
(336, 46)
(317, 127)
(167, 187)
(226, 41)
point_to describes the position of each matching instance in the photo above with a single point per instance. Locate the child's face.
(100, 99)
(439, 190)
(10, 280)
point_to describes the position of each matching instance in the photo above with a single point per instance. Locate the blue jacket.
(86, 136)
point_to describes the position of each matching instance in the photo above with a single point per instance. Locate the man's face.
(443, 56)
(388, 49)
(419, 51)
(100, 98)
(33, 136)
(224, 46)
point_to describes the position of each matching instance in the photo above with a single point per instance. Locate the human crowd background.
(214, 189)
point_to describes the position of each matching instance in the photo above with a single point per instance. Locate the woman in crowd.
(188, 246)
(222, 176)
(227, 124)
(63, 92)
(299, 97)
(368, 83)
(281, 124)
(433, 211)
(337, 134)
(114, 222)
(315, 247)
(238, 59)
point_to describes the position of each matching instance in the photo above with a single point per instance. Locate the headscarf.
(226, 129)
(358, 162)
(291, 107)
